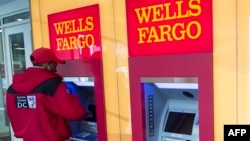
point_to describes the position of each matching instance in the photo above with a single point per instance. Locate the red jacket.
(39, 106)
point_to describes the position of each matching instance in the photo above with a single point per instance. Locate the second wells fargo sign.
(169, 26)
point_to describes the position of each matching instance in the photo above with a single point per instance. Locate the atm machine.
(171, 111)
(82, 72)
(83, 88)
(87, 84)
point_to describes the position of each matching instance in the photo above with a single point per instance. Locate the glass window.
(17, 52)
(4, 122)
(2, 71)
(17, 17)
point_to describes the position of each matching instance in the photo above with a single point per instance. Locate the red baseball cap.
(43, 55)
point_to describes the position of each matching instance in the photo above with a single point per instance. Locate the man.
(38, 103)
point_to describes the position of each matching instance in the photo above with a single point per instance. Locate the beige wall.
(225, 63)
(231, 64)
(243, 56)
(231, 59)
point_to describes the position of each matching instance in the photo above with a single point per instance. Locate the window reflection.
(17, 52)
(17, 17)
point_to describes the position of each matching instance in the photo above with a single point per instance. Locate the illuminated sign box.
(169, 27)
(75, 34)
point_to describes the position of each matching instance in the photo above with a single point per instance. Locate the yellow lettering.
(142, 14)
(163, 33)
(90, 40)
(68, 25)
(142, 32)
(197, 26)
(89, 23)
(80, 24)
(73, 42)
(152, 35)
(167, 12)
(179, 10)
(59, 42)
(157, 12)
(182, 32)
(59, 28)
(73, 26)
(65, 43)
(195, 8)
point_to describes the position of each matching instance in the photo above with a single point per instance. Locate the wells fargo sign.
(169, 27)
(75, 34)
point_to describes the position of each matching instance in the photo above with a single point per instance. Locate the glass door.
(4, 125)
(16, 48)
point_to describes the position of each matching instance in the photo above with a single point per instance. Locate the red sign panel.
(75, 34)
(157, 27)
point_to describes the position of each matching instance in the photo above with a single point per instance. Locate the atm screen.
(178, 122)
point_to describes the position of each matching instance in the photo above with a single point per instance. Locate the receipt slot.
(84, 79)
